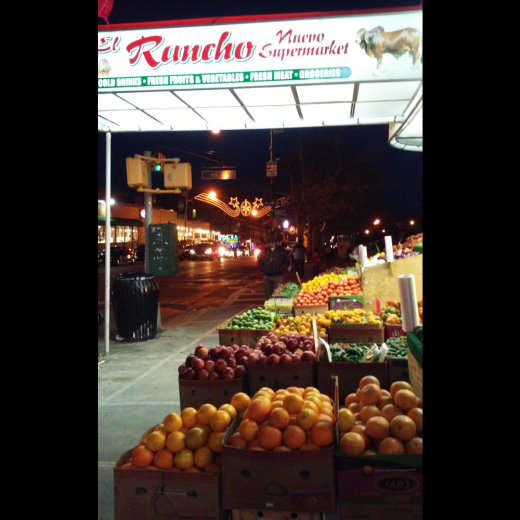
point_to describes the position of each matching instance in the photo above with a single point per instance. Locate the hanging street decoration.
(245, 208)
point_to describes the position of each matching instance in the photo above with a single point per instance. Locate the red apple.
(240, 371)
(232, 362)
(197, 348)
(286, 358)
(182, 369)
(273, 359)
(226, 352)
(213, 352)
(262, 360)
(190, 373)
(228, 373)
(220, 365)
(308, 355)
(209, 365)
(202, 374)
(296, 357)
(190, 359)
(203, 353)
(197, 364)
(213, 376)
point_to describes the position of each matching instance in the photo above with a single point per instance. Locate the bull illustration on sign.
(377, 42)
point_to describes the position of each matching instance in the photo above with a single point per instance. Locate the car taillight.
(208, 251)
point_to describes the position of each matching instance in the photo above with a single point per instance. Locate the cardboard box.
(346, 302)
(397, 370)
(356, 333)
(394, 330)
(345, 376)
(380, 487)
(252, 514)
(194, 393)
(302, 481)
(276, 376)
(310, 309)
(154, 494)
(241, 337)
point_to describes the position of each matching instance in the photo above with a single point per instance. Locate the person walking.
(298, 254)
(315, 262)
(273, 260)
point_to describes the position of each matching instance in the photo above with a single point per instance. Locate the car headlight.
(192, 251)
(208, 251)
(221, 251)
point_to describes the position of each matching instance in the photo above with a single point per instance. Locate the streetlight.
(376, 222)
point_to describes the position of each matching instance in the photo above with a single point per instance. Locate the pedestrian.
(273, 260)
(328, 253)
(315, 262)
(298, 254)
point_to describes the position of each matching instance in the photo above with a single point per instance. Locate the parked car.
(118, 255)
(242, 251)
(202, 252)
(139, 253)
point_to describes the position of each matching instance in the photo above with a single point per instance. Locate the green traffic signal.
(157, 168)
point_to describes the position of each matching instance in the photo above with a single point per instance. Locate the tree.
(333, 184)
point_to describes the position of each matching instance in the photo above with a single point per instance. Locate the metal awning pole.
(108, 232)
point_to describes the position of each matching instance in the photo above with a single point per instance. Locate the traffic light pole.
(148, 213)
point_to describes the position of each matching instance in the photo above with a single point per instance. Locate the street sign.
(219, 172)
(271, 168)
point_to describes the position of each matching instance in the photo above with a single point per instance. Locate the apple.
(286, 358)
(197, 348)
(232, 362)
(209, 365)
(213, 352)
(268, 349)
(190, 359)
(228, 373)
(292, 343)
(213, 376)
(308, 355)
(197, 364)
(262, 360)
(296, 357)
(220, 365)
(273, 359)
(190, 373)
(182, 369)
(202, 374)
(225, 353)
(240, 371)
(203, 353)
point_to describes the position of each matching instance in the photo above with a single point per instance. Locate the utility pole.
(148, 213)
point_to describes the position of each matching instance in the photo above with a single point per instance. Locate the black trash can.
(135, 302)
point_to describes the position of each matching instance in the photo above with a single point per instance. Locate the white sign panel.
(354, 48)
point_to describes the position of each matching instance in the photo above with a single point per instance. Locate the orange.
(248, 429)
(309, 446)
(406, 399)
(269, 437)
(352, 443)
(161, 428)
(316, 400)
(306, 418)
(346, 419)
(390, 411)
(369, 380)
(311, 404)
(390, 446)
(230, 409)
(155, 441)
(163, 459)
(351, 398)
(398, 385)
(279, 417)
(240, 401)
(219, 421)
(267, 390)
(257, 448)
(403, 427)
(416, 414)
(385, 393)
(173, 422)
(294, 437)
(236, 440)
(276, 404)
(360, 428)
(322, 433)
(252, 444)
(327, 413)
(203, 457)
(264, 395)
(189, 417)
(414, 445)
(325, 398)
(370, 394)
(196, 438)
(310, 389)
(215, 442)
(325, 417)
(282, 447)
(183, 459)
(295, 390)
(354, 407)
(142, 456)
(184, 430)
(175, 441)
(293, 402)
(128, 465)
(370, 410)
(259, 409)
(280, 393)
(206, 412)
(377, 427)
(385, 399)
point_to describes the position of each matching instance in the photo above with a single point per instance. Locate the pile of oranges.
(377, 421)
(189, 441)
(289, 419)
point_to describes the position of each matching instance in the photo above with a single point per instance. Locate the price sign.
(271, 168)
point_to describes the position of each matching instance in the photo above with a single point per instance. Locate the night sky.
(248, 150)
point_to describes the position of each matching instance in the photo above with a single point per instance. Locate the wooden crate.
(380, 281)
(252, 514)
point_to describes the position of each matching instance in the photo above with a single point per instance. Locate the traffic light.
(136, 173)
(159, 165)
